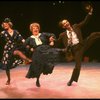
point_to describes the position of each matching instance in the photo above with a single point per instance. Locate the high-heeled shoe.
(28, 60)
(8, 83)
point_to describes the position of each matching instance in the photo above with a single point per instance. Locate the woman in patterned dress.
(11, 52)
(44, 54)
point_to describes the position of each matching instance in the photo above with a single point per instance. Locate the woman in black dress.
(11, 53)
(44, 54)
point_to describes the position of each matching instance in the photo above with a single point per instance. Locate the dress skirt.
(44, 59)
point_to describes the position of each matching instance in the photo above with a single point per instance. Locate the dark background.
(48, 14)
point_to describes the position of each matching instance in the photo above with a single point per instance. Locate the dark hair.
(60, 24)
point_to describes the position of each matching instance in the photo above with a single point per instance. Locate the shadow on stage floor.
(53, 85)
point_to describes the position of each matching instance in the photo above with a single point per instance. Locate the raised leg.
(21, 55)
(91, 39)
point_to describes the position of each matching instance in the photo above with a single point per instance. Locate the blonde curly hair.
(34, 25)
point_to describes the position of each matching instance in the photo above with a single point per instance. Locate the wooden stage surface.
(53, 86)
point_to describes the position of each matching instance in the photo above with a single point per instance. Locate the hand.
(90, 10)
(23, 40)
(31, 49)
(51, 43)
(51, 39)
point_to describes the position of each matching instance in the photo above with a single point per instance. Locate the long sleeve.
(85, 21)
(49, 34)
(60, 42)
(19, 37)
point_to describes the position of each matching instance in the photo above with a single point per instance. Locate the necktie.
(70, 38)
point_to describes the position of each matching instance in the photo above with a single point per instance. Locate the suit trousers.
(78, 51)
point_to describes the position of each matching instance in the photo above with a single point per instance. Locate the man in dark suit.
(72, 39)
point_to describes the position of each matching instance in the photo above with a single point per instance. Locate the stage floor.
(53, 85)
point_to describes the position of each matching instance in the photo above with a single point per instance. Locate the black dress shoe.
(38, 84)
(69, 83)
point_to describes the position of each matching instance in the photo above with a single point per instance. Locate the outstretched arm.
(51, 38)
(85, 21)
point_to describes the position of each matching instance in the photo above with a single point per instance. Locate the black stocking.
(8, 76)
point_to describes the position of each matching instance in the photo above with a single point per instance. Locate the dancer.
(73, 41)
(44, 55)
(11, 53)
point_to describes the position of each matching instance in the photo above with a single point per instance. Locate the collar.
(32, 36)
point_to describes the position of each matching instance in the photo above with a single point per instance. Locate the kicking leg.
(21, 55)
(91, 39)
